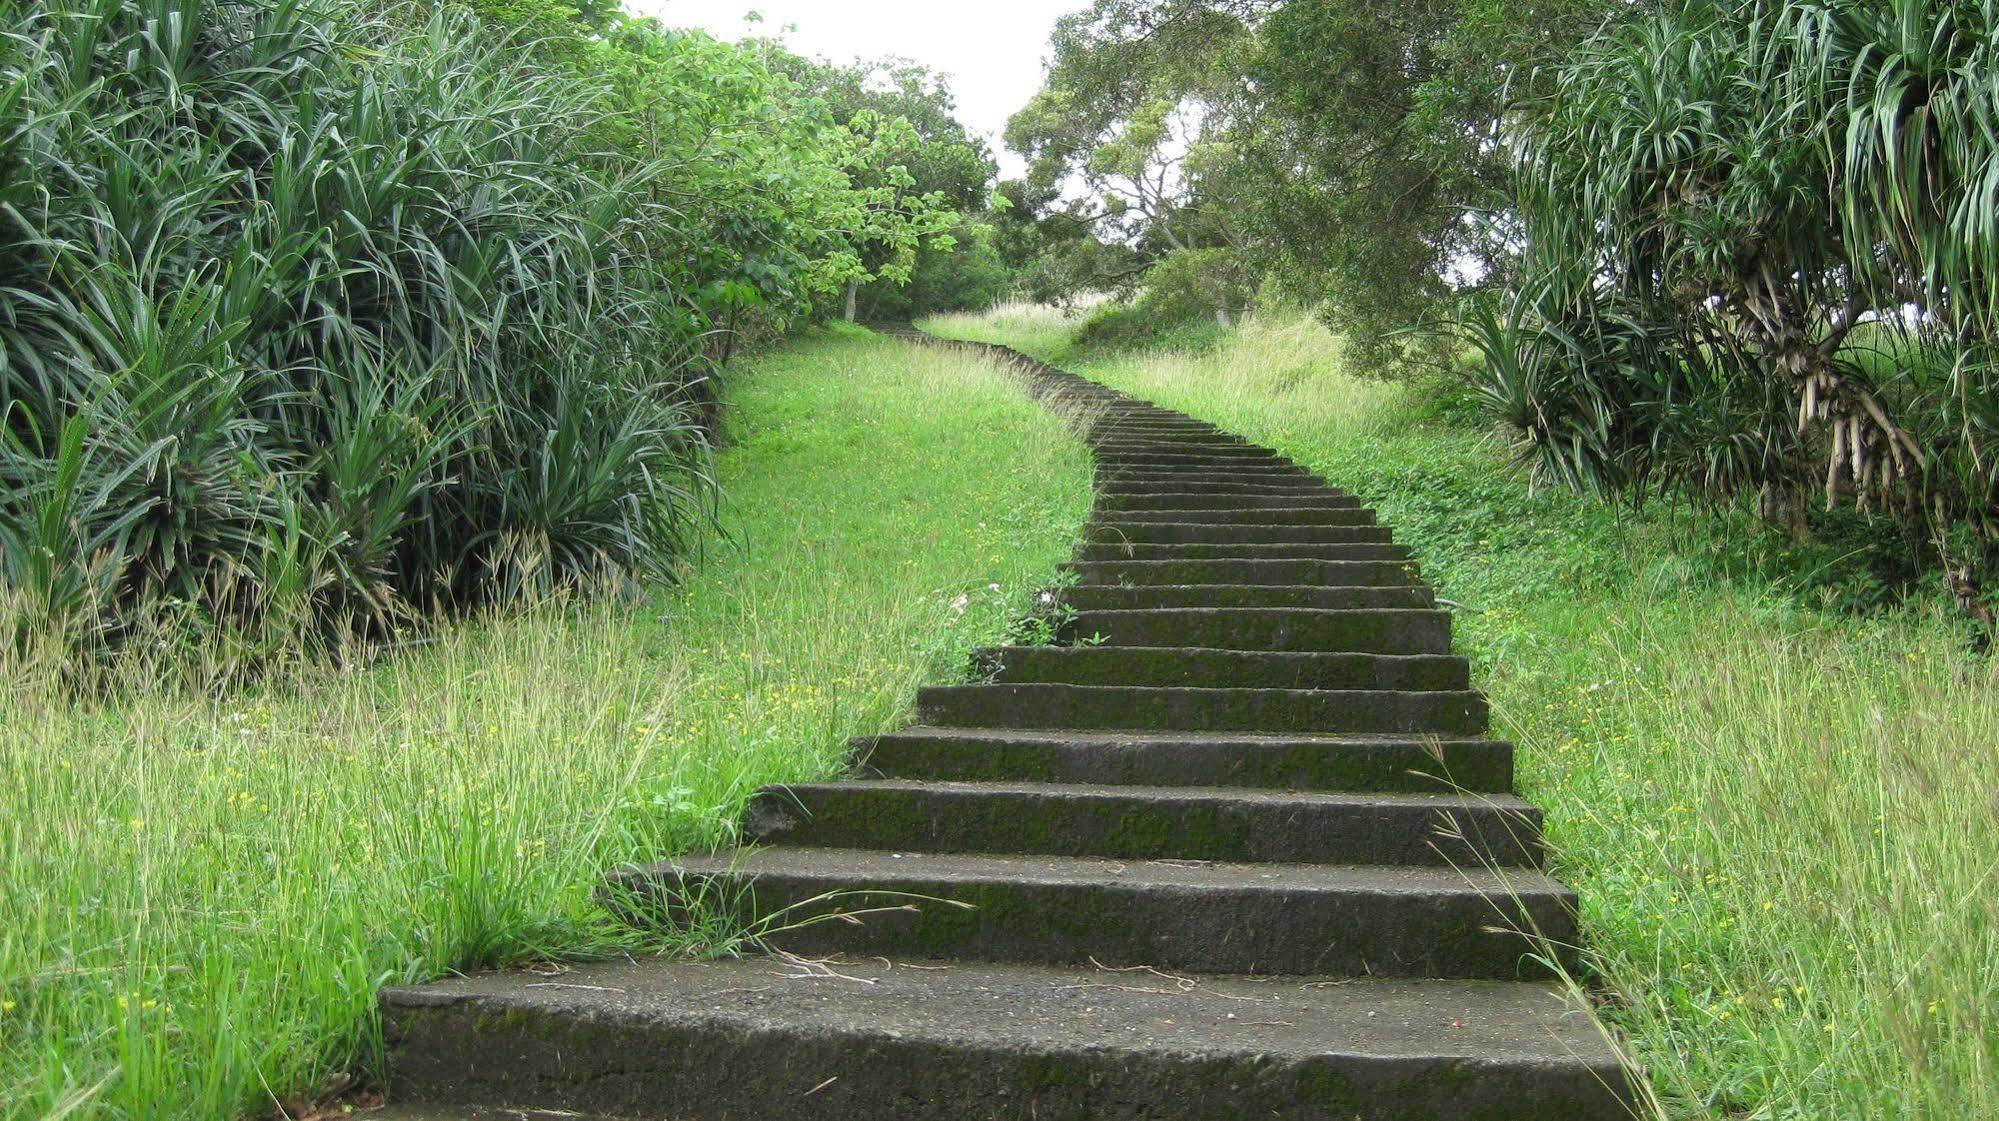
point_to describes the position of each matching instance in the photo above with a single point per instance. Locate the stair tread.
(1105, 737)
(885, 868)
(1057, 1009)
(1237, 795)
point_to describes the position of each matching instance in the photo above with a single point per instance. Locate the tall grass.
(203, 892)
(1781, 818)
(324, 313)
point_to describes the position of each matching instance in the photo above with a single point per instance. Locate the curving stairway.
(1238, 846)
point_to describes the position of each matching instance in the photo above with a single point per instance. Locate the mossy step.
(1209, 668)
(1342, 920)
(945, 1041)
(432, 1112)
(1120, 597)
(1133, 480)
(1117, 569)
(1196, 500)
(1155, 469)
(1366, 630)
(1258, 515)
(1115, 487)
(1251, 550)
(1246, 460)
(1156, 758)
(1151, 823)
(1112, 445)
(1194, 709)
(1192, 532)
(1111, 442)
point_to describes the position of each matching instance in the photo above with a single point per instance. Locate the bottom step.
(759, 1038)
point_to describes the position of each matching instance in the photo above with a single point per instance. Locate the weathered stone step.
(1192, 461)
(1162, 473)
(1114, 487)
(1341, 920)
(1111, 439)
(1151, 823)
(434, 1112)
(1133, 597)
(1242, 570)
(1105, 441)
(1382, 630)
(1204, 550)
(1156, 758)
(1111, 504)
(1194, 532)
(936, 1041)
(1184, 709)
(1258, 516)
(1205, 667)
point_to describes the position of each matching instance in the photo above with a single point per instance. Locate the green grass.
(203, 892)
(1781, 818)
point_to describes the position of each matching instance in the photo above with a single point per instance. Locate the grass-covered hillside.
(203, 891)
(1777, 804)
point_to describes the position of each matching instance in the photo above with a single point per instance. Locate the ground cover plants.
(1776, 806)
(204, 889)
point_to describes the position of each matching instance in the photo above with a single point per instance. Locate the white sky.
(992, 51)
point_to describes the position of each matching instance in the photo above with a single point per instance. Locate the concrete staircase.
(1237, 847)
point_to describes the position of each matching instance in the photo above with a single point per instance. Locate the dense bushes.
(318, 315)
(1761, 261)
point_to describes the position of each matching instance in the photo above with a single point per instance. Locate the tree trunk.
(853, 298)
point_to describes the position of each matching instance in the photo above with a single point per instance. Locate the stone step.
(1183, 709)
(1382, 630)
(1243, 570)
(940, 1041)
(1335, 919)
(1108, 462)
(1116, 597)
(1237, 533)
(1113, 487)
(1417, 764)
(1216, 550)
(1142, 445)
(1205, 667)
(1151, 823)
(1158, 474)
(1110, 504)
(468, 1114)
(1255, 516)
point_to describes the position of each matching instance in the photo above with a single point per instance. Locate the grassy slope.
(1781, 820)
(201, 894)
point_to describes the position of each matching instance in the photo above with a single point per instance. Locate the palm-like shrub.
(1762, 260)
(335, 316)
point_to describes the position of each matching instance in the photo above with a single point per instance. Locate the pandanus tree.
(1760, 261)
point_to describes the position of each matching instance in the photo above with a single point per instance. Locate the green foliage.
(1761, 250)
(1348, 149)
(317, 317)
(939, 172)
(205, 888)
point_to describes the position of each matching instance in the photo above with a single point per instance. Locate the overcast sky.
(992, 51)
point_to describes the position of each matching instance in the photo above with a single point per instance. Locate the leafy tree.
(937, 173)
(1761, 249)
(1349, 148)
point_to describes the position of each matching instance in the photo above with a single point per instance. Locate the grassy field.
(1783, 819)
(203, 892)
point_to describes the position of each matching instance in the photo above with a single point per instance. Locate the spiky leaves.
(1761, 242)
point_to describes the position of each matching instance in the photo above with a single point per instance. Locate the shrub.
(1761, 240)
(317, 316)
